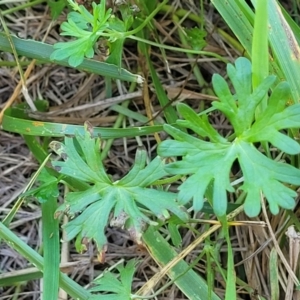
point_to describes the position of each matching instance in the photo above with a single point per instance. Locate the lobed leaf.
(240, 107)
(263, 175)
(199, 125)
(75, 50)
(75, 27)
(121, 288)
(210, 162)
(276, 117)
(87, 28)
(206, 161)
(105, 201)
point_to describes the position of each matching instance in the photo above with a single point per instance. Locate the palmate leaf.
(210, 162)
(120, 289)
(89, 28)
(262, 174)
(106, 201)
(206, 161)
(274, 118)
(86, 28)
(75, 50)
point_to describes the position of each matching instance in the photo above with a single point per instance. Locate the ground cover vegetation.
(150, 149)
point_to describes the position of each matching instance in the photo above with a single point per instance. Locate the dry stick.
(80, 93)
(294, 247)
(175, 98)
(102, 103)
(148, 108)
(146, 91)
(262, 246)
(286, 264)
(149, 285)
(16, 91)
(146, 96)
(23, 79)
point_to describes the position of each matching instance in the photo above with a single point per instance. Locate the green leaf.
(76, 26)
(196, 38)
(262, 174)
(120, 289)
(47, 187)
(210, 161)
(175, 234)
(200, 125)
(92, 222)
(86, 28)
(127, 15)
(101, 15)
(47, 194)
(56, 7)
(206, 161)
(118, 202)
(74, 50)
(274, 118)
(74, 165)
(240, 108)
(76, 21)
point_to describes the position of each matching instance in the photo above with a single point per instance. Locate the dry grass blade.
(277, 247)
(294, 247)
(75, 96)
(165, 269)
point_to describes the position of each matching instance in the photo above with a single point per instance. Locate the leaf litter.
(68, 88)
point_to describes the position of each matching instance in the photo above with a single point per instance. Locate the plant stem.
(22, 6)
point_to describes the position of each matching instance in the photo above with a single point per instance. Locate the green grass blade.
(129, 113)
(42, 52)
(67, 284)
(51, 248)
(26, 275)
(260, 53)
(9, 217)
(188, 281)
(294, 26)
(282, 40)
(285, 48)
(235, 15)
(231, 277)
(169, 110)
(14, 121)
(274, 278)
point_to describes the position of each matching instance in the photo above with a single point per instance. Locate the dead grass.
(66, 90)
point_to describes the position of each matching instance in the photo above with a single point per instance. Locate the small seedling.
(87, 28)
